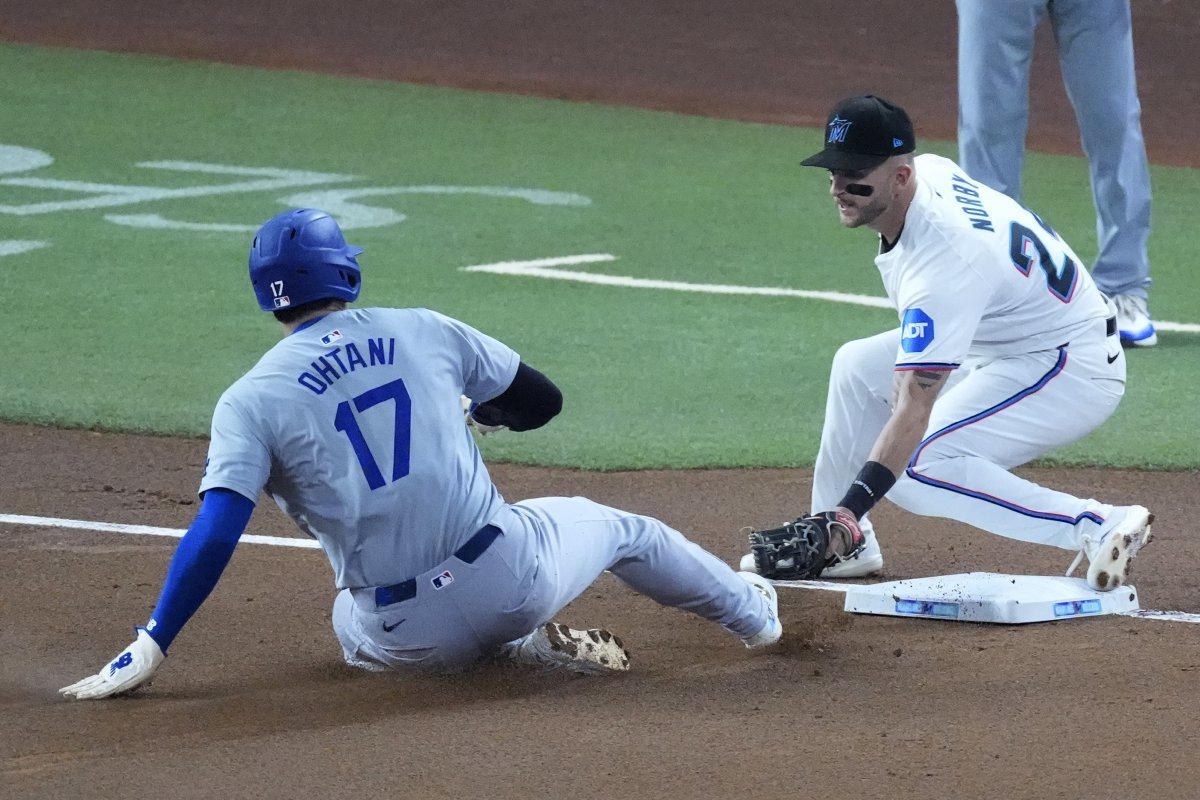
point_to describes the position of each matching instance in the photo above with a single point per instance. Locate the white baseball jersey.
(353, 425)
(977, 275)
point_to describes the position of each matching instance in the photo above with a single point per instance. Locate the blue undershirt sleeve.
(199, 561)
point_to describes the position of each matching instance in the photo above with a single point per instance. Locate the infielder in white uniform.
(1005, 351)
(1095, 52)
(353, 424)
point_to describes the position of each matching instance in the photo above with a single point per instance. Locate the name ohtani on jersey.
(344, 359)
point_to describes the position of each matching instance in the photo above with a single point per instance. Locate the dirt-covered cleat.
(1110, 556)
(554, 646)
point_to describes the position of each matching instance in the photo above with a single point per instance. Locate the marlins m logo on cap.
(863, 132)
(838, 128)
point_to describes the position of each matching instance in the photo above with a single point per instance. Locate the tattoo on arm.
(929, 378)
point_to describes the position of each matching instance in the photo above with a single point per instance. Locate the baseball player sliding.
(353, 424)
(1005, 351)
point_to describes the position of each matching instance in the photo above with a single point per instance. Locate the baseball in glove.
(801, 550)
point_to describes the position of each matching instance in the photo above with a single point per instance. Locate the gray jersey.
(354, 426)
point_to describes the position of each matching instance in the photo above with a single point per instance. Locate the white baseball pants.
(991, 417)
(550, 551)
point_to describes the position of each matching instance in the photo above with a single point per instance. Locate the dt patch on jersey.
(916, 331)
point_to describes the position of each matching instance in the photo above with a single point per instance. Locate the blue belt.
(407, 590)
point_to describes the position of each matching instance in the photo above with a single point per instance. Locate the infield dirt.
(254, 700)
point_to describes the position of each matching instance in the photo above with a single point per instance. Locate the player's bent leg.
(975, 491)
(449, 617)
(579, 539)
(1003, 415)
(350, 635)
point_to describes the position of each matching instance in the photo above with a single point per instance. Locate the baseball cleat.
(1133, 321)
(554, 646)
(1111, 555)
(867, 561)
(773, 629)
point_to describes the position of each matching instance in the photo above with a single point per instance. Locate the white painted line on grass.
(1177, 327)
(539, 268)
(146, 530)
(158, 221)
(14, 247)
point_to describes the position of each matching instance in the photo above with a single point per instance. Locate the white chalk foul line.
(1167, 616)
(146, 530)
(542, 268)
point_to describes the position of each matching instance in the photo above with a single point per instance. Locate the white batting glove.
(126, 672)
(473, 424)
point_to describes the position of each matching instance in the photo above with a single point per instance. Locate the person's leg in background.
(995, 49)
(1095, 48)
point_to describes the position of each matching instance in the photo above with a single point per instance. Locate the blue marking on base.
(927, 608)
(1075, 608)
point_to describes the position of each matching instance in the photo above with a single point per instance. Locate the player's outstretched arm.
(201, 557)
(916, 392)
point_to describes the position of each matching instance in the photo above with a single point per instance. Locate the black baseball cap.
(862, 133)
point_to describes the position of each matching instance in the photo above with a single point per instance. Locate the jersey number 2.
(347, 423)
(1059, 280)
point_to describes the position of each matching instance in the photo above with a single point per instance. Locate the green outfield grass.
(140, 329)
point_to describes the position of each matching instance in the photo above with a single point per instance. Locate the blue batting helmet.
(300, 256)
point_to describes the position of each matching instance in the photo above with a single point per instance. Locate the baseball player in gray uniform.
(1005, 351)
(1095, 51)
(353, 424)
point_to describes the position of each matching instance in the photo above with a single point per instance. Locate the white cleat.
(868, 561)
(1109, 556)
(773, 629)
(554, 646)
(1133, 321)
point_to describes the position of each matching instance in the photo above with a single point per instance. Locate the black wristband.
(872, 483)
